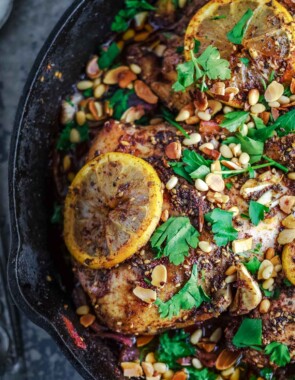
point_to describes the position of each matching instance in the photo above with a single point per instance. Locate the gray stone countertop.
(20, 41)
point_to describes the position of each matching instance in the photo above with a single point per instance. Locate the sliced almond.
(96, 109)
(132, 114)
(215, 106)
(253, 186)
(286, 236)
(92, 69)
(274, 91)
(231, 165)
(173, 150)
(226, 359)
(265, 264)
(292, 86)
(131, 369)
(242, 245)
(289, 222)
(248, 295)
(159, 276)
(287, 203)
(112, 76)
(148, 369)
(146, 295)
(218, 88)
(215, 182)
(143, 340)
(206, 346)
(125, 78)
(145, 93)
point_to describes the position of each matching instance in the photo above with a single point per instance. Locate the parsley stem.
(175, 124)
(246, 169)
(276, 164)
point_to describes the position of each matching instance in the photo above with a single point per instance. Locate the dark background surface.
(26, 351)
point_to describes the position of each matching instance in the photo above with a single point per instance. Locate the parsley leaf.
(245, 61)
(253, 147)
(236, 35)
(256, 212)
(253, 265)
(190, 296)
(173, 347)
(222, 226)
(64, 143)
(285, 124)
(200, 374)
(57, 214)
(177, 235)
(119, 102)
(208, 64)
(218, 17)
(107, 57)
(267, 373)
(233, 120)
(279, 353)
(287, 282)
(193, 166)
(124, 16)
(249, 334)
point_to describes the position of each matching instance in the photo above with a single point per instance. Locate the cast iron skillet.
(78, 34)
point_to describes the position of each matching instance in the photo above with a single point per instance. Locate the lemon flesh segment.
(112, 208)
(268, 42)
(288, 261)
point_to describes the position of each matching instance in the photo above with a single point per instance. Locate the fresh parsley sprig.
(174, 346)
(233, 120)
(124, 16)
(253, 265)
(64, 143)
(174, 238)
(249, 334)
(279, 353)
(108, 56)
(222, 227)
(236, 35)
(256, 212)
(207, 65)
(168, 116)
(192, 166)
(119, 102)
(190, 296)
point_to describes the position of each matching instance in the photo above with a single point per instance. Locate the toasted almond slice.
(226, 359)
(145, 93)
(112, 76)
(215, 182)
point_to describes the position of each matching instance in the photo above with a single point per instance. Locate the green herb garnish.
(192, 166)
(168, 116)
(190, 296)
(222, 226)
(253, 265)
(200, 374)
(174, 238)
(249, 334)
(279, 353)
(245, 61)
(236, 35)
(233, 120)
(207, 65)
(173, 346)
(218, 17)
(124, 16)
(57, 214)
(119, 102)
(64, 143)
(256, 212)
(107, 57)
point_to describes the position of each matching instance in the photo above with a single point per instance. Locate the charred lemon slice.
(267, 45)
(288, 261)
(112, 208)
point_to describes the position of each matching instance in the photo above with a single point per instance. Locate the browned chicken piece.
(111, 291)
(282, 149)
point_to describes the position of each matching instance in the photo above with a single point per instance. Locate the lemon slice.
(113, 206)
(268, 42)
(288, 258)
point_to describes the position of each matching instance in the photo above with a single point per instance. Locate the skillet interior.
(80, 31)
